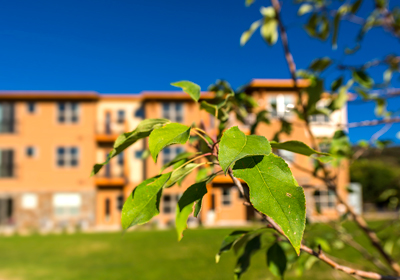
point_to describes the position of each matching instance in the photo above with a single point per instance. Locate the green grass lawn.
(146, 255)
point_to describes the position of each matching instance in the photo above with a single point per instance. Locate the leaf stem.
(202, 137)
(193, 159)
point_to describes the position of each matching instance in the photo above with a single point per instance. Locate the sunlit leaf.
(275, 192)
(173, 133)
(248, 33)
(235, 145)
(190, 88)
(363, 78)
(320, 64)
(144, 202)
(304, 9)
(179, 174)
(125, 140)
(297, 147)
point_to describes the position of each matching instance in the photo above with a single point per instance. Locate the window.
(30, 151)
(173, 111)
(6, 211)
(169, 203)
(324, 147)
(31, 107)
(226, 196)
(29, 201)
(7, 120)
(281, 105)
(67, 204)
(319, 119)
(138, 154)
(68, 112)
(170, 153)
(324, 200)
(67, 156)
(121, 159)
(121, 116)
(288, 156)
(6, 163)
(120, 202)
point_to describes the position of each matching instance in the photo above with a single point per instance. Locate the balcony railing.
(111, 175)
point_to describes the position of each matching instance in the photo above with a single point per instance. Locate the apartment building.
(49, 142)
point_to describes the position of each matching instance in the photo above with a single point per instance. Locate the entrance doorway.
(109, 205)
(6, 211)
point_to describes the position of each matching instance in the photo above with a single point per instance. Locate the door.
(109, 206)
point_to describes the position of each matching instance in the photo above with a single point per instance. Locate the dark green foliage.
(375, 176)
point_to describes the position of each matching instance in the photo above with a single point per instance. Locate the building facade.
(49, 142)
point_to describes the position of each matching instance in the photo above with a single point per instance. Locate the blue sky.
(130, 46)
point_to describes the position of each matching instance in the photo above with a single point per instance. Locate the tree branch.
(320, 255)
(329, 182)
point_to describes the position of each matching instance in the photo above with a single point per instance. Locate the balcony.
(111, 175)
(109, 131)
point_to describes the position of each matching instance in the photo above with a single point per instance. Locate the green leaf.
(248, 3)
(296, 147)
(181, 157)
(275, 192)
(336, 84)
(323, 243)
(144, 202)
(276, 260)
(243, 262)
(304, 9)
(320, 64)
(125, 140)
(190, 88)
(314, 92)
(269, 31)
(363, 78)
(248, 33)
(173, 133)
(235, 145)
(336, 22)
(356, 5)
(180, 173)
(340, 99)
(185, 205)
(228, 242)
(197, 207)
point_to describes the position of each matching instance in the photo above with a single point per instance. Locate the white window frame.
(29, 201)
(173, 114)
(226, 198)
(325, 198)
(68, 157)
(174, 151)
(68, 112)
(287, 156)
(283, 106)
(171, 204)
(67, 204)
